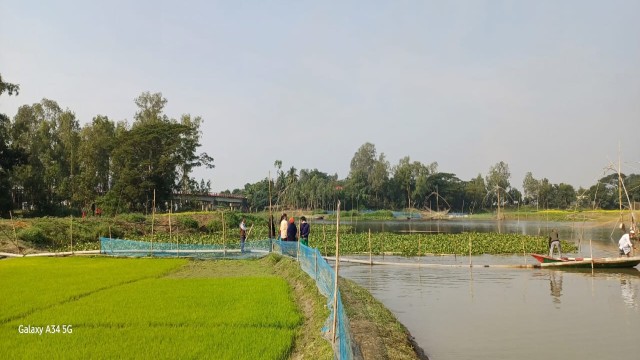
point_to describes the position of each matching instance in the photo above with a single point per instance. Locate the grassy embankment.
(57, 234)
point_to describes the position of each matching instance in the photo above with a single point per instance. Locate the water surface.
(458, 312)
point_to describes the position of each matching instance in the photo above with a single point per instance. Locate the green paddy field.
(145, 308)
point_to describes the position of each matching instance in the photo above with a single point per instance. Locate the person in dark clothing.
(292, 231)
(304, 231)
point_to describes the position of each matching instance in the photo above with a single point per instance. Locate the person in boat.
(625, 244)
(554, 242)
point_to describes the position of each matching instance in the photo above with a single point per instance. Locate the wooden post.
(591, 249)
(72, 234)
(470, 262)
(370, 262)
(171, 230)
(224, 239)
(335, 288)
(153, 213)
(324, 238)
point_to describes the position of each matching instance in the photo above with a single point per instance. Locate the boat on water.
(569, 262)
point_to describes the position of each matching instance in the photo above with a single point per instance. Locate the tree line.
(50, 165)
(373, 183)
(53, 166)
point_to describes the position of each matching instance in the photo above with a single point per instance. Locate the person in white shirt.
(625, 244)
(284, 224)
(243, 235)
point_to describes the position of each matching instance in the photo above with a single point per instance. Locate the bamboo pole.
(370, 247)
(470, 261)
(153, 213)
(324, 238)
(71, 229)
(335, 288)
(224, 239)
(591, 249)
(171, 230)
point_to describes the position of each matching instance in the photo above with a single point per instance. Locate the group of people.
(288, 230)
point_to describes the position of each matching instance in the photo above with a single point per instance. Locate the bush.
(132, 218)
(33, 235)
(214, 225)
(187, 222)
(103, 230)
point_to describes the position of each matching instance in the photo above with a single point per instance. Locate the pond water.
(509, 313)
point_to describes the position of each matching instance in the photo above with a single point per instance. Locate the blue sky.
(550, 87)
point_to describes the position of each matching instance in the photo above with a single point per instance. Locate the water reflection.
(555, 284)
(504, 313)
(628, 293)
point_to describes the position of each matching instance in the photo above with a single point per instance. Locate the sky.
(548, 87)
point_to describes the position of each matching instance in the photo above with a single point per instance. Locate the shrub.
(187, 222)
(214, 225)
(132, 218)
(33, 234)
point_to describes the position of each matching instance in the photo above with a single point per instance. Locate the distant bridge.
(211, 201)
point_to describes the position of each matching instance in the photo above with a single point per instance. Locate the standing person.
(283, 227)
(625, 244)
(554, 241)
(292, 231)
(243, 235)
(304, 231)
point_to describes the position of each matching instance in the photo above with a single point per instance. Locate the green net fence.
(132, 248)
(310, 259)
(312, 262)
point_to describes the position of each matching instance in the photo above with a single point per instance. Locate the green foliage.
(32, 234)
(132, 218)
(439, 244)
(214, 225)
(188, 223)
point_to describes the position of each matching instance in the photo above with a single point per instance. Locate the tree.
(359, 180)
(9, 88)
(150, 107)
(187, 153)
(49, 135)
(96, 146)
(155, 155)
(379, 178)
(146, 163)
(475, 192)
(10, 155)
(497, 181)
(531, 188)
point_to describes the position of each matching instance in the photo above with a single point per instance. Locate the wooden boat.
(609, 262)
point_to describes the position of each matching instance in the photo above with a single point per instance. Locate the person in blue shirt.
(292, 231)
(304, 231)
